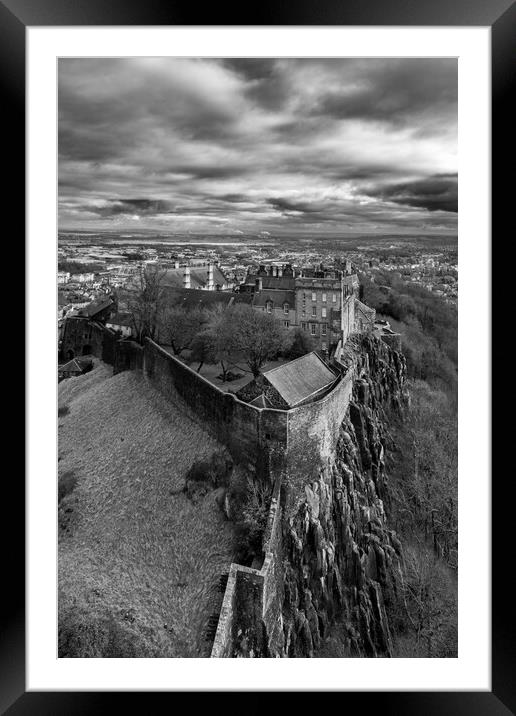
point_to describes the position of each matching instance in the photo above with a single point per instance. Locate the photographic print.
(257, 281)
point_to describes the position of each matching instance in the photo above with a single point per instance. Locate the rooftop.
(198, 277)
(95, 307)
(301, 378)
(76, 365)
(197, 298)
(278, 298)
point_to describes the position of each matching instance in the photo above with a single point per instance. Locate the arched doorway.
(70, 354)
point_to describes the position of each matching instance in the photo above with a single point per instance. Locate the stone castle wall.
(82, 336)
(254, 436)
(312, 435)
(128, 356)
(250, 622)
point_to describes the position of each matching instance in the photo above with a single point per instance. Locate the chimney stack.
(259, 284)
(274, 270)
(280, 271)
(210, 285)
(186, 277)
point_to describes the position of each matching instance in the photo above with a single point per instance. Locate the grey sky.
(287, 145)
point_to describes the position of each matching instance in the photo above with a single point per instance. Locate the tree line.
(423, 505)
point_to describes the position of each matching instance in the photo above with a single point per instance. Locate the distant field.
(137, 555)
(292, 241)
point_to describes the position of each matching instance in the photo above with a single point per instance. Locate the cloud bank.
(255, 145)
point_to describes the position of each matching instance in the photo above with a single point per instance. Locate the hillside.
(139, 562)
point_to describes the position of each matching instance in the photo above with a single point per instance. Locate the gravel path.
(137, 549)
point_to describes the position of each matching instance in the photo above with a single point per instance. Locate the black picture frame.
(500, 15)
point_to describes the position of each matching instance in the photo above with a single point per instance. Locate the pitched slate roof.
(278, 298)
(261, 401)
(272, 283)
(76, 365)
(301, 378)
(278, 283)
(366, 310)
(197, 298)
(95, 307)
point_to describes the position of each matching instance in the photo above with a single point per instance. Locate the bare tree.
(202, 349)
(180, 325)
(145, 301)
(257, 335)
(218, 341)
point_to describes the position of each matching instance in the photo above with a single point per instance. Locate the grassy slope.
(136, 549)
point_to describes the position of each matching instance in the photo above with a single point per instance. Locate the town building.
(83, 277)
(84, 333)
(121, 323)
(318, 300)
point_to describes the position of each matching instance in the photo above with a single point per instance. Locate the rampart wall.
(128, 356)
(250, 622)
(313, 431)
(256, 437)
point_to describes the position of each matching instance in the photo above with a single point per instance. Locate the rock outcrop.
(341, 560)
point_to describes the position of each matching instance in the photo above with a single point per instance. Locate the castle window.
(323, 312)
(334, 297)
(323, 329)
(323, 345)
(314, 310)
(303, 326)
(312, 329)
(269, 306)
(285, 308)
(286, 324)
(324, 298)
(314, 296)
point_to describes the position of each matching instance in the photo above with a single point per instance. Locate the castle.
(292, 451)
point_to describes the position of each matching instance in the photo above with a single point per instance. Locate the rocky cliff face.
(341, 560)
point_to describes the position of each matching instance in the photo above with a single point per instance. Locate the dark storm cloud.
(394, 92)
(285, 205)
(265, 83)
(437, 193)
(251, 68)
(140, 207)
(254, 144)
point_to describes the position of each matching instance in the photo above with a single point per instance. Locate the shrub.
(84, 634)
(302, 344)
(66, 484)
(214, 471)
(250, 504)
